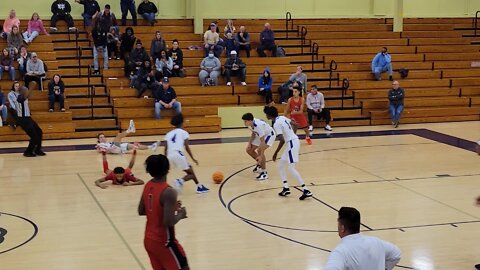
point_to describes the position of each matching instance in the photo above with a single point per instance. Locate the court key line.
(111, 223)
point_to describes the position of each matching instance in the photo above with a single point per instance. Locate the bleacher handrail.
(475, 21)
(288, 18)
(332, 67)
(314, 51)
(345, 86)
(303, 34)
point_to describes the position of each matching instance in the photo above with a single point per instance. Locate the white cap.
(233, 52)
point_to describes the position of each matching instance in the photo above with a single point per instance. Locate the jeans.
(378, 70)
(324, 113)
(150, 17)
(11, 70)
(125, 7)
(177, 106)
(53, 98)
(87, 19)
(31, 37)
(395, 112)
(241, 72)
(95, 58)
(4, 113)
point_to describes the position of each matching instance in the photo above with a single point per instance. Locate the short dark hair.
(270, 111)
(157, 166)
(98, 136)
(177, 120)
(385, 48)
(118, 170)
(349, 217)
(248, 116)
(314, 86)
(107, 6)
(175, 40)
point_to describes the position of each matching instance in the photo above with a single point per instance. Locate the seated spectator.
(382, 62)
(3, 109)
(125, 6)
(113, 41)
(22, 59)
(137, 57)
(145, 78)
(90, 10)
(6, 64)
(210, 69)
(234, 66)
(9, 23)
(177, 56)
(211, 39)
(106, 19)
(35, 27)
(158, 45)
(229, 43)
(61, 11)
(242, 40)
(267, 42)
(148, 10)
(14, 41)
(396, 96)
(165, 98)
(316, 106)
(12, 103)
(127, 41)
(229, 28)
(265, 86)
(100, 46)
(56, 91)
(164, 66)
(301, 77)
(35, 70)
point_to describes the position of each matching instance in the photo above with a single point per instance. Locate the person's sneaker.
(50, 110)
(308, 140)
(310, 128)
(72, 29)
(328, 127)
(306, 194)
(262, 176)
(284, 192)
(243, 83)
(29, 154)
(154, 146)
(284, 102)
(40, 153)
(390, 78)
(179, 184)
(62, 109)
(477, 266)
(396, 124)
(256, 169)
(202, 189)
(131, 127)
(96, 72)
(53, 29)
(229, 83)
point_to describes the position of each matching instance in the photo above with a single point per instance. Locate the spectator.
(286, 90)
(359, 251)
(210, 69)
(128, 5)
(9, 23)
(382, 62)
(56, 91)
(229, 28)
(242, 40)
(267, 42)
(234, 66)
(165, 98)
(61, 11)
(177, 56)
(106, 19)
(229, 43)
(164, 66)
(113, 42)
(35, 27)
(3, 109)
(158, 45)
(301, 77)
(316, 106)
(6, 62)
(396, 96)
(148, 10)
(137, 57)
(127, 41)
(100, 45)
(35, 70)
(12, 98)
(14, 41)
(265, 86)
(211, 39)
(22, 60)
(145, 78)
(90, 10)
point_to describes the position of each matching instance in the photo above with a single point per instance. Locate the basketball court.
(415, 186)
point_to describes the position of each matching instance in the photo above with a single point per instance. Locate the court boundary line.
(35, 231)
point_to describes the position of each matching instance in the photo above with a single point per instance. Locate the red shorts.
(299, 120)
(162, 257)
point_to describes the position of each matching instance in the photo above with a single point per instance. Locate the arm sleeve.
(388, 58)
(42, 67)
(180, 58)
(50, 88)
(11, 101)
(218, 65)
(308, 102)
(68, 8)
(140, 9)
(392, 255)
(62, 87)
(170, 63)
(335, 261)
(270, 83)
(260, 82)
(374, 61)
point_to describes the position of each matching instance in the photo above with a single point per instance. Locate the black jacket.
(177, 57)
(127, 41)
(230, 61)
(396, 96)
(99, 37)
(51, 87)
(139, 55)
(147, 8)
(90, 7)
(61, 7)
(164, 95)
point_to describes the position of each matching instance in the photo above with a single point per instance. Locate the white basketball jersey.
(282, 126)
(261, 128)
(176, 140)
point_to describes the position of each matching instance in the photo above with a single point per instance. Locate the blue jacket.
(381, 60)
(265, 82)
(267, 37)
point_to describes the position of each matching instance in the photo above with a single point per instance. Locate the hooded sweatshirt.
(127, 41)
(381, 60)
(9, 23)
(61, 7)
(265, 82)
(211, 62)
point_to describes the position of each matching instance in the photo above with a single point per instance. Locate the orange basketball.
(217, 177)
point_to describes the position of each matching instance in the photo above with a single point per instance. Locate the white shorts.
(118, 148)
(291, 152)
(269, 140)
(179, 160)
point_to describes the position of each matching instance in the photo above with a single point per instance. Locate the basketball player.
(117, 147)
(159, 203)
(289, 158)
(262, 137)
(294, 108)
(176, 142)
(119, 175)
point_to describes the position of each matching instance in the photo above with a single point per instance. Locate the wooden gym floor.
(415, 186)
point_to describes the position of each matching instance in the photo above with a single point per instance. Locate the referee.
(26, 122)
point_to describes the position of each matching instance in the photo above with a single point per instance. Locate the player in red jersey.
(119, 175)
(159, 203)
(294, 108)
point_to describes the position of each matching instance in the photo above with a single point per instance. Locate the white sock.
(283, 174)
(296, 174)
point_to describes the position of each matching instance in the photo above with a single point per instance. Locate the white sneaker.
(179, 184)
(154, 146)
(71, 29)
(244, 83)
(131, 127)
(328, 127)
(310, 128)
(54, 29)
(229, 83)
(262, 176)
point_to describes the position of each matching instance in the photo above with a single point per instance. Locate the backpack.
(403, 73)
(209, 82)
(281, 52)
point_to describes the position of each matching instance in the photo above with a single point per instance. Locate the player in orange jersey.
(294, 108)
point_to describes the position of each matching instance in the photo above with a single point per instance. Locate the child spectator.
(265, 86)
(56, 90)
(158, 45)
(14, 41)
(112, 44)
(10, 22)
(164, 66)
(229, 28)
(229, 43)
(6, 64)
(35, 27)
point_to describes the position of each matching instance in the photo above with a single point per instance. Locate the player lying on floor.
(119, 175)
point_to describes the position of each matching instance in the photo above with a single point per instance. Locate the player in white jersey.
(262, 137)
(117, 147)
(289, 158)
(176, 143)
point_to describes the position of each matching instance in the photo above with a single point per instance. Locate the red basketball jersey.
(299, 119)
(155, 229)
(127, 177)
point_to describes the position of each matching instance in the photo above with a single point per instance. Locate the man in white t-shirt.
(176, 143)
(285, 134)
